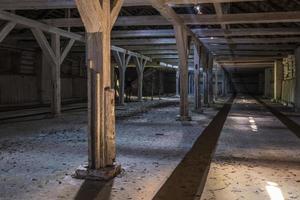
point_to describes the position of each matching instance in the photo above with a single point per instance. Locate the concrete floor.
(38, 156)
(257, 156)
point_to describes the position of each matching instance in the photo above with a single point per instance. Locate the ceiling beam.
(190, 19)
(35, 24)
(241, 59)
(60, 4)
(251, 40)
(207, 32)
(151, 41)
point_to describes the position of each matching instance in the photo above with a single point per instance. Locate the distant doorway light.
(198, 9)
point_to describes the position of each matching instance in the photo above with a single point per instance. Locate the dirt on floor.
(257, 158)
(38, 156)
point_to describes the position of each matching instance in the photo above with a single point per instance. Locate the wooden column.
(161, 83)
(177, 82)
(98, 19)
(210, 80)
(297, 88)
(216, 93)
(55, 57)
(197, 64)
(261, 83)
(205, 78)
(223, 82)
(278, 78)
(183, 45)
(140, 63)
(122, 61)
(268, 82)
(55, 76)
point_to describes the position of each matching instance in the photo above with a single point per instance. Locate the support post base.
(183, 118)
(103, 174)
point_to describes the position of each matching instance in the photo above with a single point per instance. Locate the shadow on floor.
(94, 190)
(188, 179)
(290, 124)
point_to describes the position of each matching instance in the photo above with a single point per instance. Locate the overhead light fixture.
(198, 9)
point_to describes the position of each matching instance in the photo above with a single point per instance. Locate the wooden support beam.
(205, 65)
(35, 25)
(7, 28)
(183, 46)
(101, 129)
(38, 25)
(122, 61)
(210, 79)
(55, 58)
(140, 66)
(197, 79)
(67, 50)
(216, 88)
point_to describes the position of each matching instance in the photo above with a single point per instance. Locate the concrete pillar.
(297, 88)
(268, 88)
(278, 78)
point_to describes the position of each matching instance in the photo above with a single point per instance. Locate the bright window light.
(274, 191)
(253, 125)
(198, 9)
